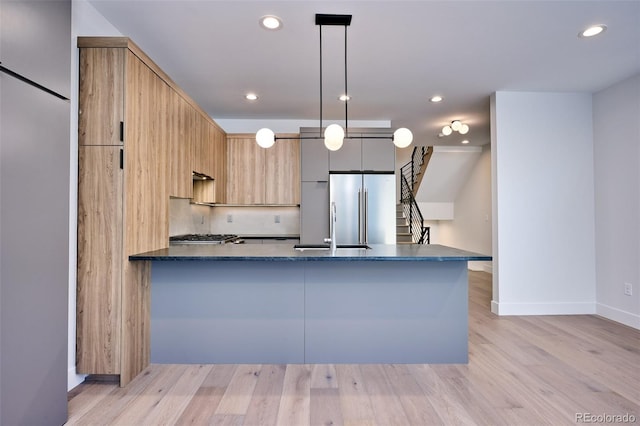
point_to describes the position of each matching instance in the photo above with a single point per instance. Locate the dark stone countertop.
(285, 252)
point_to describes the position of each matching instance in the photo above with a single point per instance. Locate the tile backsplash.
(187, 218)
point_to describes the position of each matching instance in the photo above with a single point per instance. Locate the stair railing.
(411, 170)
(419, 233)
(409, 176)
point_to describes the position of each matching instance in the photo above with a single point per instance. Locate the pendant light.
(334, 135)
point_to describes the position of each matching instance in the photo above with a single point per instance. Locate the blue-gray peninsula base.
(273, 304)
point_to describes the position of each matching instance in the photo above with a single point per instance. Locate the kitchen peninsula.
(273, 304)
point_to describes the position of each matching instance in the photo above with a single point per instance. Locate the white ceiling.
(400, 53)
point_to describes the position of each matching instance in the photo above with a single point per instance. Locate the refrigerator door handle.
(359, 216)
(366, 216)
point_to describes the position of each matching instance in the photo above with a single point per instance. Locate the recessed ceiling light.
(344, 98)
(436, 99)
(251, 96)
(593, 30)
(270, 22)
(465, 142)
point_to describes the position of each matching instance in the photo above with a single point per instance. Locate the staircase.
(410, 227)
(403, 234)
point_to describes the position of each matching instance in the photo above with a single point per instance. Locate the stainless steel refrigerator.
(365, 207)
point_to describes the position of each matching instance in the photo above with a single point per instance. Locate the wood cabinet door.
(245, 170)
(198, 143)
(101, 96)
(180, 147)
(220, 164)
(282, 172)
(100, 245)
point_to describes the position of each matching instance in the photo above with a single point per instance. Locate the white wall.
(543, 197)
(470, 228)
(85, 21)
(616, 127)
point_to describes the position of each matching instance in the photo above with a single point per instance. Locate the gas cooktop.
(203, 239)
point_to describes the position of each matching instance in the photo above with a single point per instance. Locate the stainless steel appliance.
(205, 239)
(365, 207)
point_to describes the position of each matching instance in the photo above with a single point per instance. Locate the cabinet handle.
(122, 158)
(122, 131)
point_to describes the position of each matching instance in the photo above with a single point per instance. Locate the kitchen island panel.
(215, 312)
(362, 312)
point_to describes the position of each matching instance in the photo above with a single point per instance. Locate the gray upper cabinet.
(364, 154)
(314, 187)
(314, 159)
(378, 155)
(349, 157)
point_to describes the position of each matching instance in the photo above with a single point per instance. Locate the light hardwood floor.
(521, 371)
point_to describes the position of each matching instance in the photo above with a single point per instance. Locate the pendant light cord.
(346, 92)
(320, 130)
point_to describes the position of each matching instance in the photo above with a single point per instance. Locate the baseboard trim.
(505, 309)
(74, 379)
(618, 315)
(480, 266)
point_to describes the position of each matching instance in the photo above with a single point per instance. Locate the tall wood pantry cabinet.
(137, 135)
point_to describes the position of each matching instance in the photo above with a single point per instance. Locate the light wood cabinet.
(180, 142)
(220, 164)
(126, 174)
(257, 175)
(245, 170)
(101, 97)
(282, 172)
(209, 158)
(119, 214)
(100, 260)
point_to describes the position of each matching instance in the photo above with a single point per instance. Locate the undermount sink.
(353, 246)
(302, 247)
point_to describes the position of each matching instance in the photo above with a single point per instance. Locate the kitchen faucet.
(332, 240)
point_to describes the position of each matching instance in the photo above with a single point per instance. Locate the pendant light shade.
(265, 138)
(402, 137)
(333, 137)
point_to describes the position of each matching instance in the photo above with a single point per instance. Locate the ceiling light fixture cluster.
(455, 126)
(334, 134)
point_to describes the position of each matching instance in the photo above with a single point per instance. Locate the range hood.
(201, 176)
